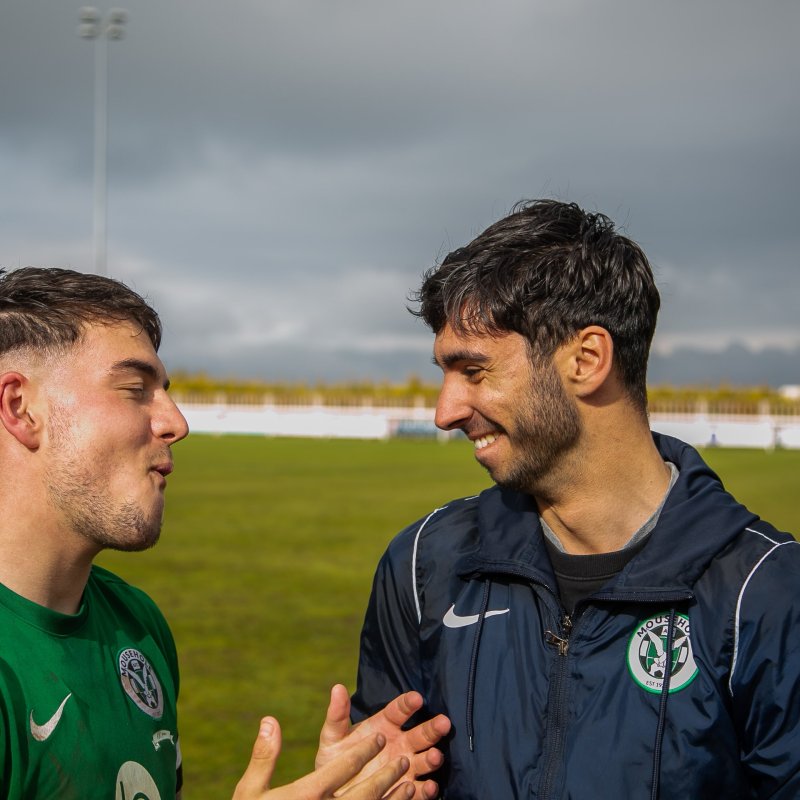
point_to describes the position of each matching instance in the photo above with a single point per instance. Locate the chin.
(133, 531)
(519, 480)
(149, 535)
(144, 540)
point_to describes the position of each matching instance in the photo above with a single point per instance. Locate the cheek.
(107, 448)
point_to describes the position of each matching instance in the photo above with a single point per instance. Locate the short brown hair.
(48, 308)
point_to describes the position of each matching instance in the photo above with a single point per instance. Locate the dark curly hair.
(546, 271)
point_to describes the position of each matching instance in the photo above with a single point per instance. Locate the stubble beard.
(84, 498)
(110, 527)
(546, 428)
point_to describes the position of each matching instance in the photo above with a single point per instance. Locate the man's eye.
(472, 372)
(135, 390)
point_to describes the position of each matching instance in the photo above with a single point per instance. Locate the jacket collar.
(698, 520)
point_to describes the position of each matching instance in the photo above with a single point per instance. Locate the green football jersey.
(87, 701)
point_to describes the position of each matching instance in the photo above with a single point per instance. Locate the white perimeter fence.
(364, 422)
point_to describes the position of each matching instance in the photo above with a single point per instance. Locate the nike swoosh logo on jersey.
(42, 732)
(453, 620)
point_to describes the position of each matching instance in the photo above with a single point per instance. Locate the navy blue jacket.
(464, 610)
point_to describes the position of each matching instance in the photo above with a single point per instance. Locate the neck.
(44, 562)
(54, 584)
(606, 489)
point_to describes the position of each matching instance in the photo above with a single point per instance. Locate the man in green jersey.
(88, 668)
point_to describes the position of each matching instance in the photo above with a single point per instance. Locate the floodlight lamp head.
(90, 19)
(115, 32)
(117, 16)
(89, 14)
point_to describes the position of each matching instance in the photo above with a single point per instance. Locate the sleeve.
(389, 661)
(765, 678)
(13, 755)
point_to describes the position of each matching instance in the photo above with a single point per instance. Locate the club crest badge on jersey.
(648, 659)
(141, 682)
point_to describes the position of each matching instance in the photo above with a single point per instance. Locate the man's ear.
(16, 413)
(590, 360)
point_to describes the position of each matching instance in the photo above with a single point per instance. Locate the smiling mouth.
(485, 441)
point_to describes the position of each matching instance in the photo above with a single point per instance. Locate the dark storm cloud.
(280, 173)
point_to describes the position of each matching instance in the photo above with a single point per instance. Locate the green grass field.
(265, 565)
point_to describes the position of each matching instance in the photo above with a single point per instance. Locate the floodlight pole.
(100, 30)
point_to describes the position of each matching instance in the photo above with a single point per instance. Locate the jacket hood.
(698, 520)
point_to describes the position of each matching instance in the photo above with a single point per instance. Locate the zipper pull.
(561, 644)
(566, 625)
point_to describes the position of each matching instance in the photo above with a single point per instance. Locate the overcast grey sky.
(280, 173)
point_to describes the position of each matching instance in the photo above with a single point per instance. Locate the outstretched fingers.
(426, 734)
(402, 708)
(426, 762)
(416, 746)
(421, 736)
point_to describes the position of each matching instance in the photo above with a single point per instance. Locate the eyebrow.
(460, 355)
(137, 365)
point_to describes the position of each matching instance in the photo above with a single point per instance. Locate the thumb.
(255, 781)
(337, 719)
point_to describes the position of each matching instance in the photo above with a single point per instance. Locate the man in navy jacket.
(607, 621)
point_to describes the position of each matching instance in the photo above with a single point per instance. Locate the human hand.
(415, 744)
(327, 781)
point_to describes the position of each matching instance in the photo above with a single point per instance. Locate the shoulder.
(760, 574)
(745, 575)
(760, 550)
(446, 529)
(108, 582)
(123, 598)
(771, 568)
(425, 556)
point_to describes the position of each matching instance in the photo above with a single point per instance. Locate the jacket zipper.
(557, 722)
(562, 644)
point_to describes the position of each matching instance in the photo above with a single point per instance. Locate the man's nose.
(169, 423)
(453, 409)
